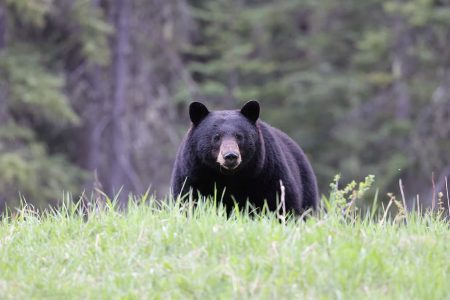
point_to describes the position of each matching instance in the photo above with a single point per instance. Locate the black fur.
(268, 156)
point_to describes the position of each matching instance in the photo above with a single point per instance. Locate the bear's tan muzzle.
(229, 156)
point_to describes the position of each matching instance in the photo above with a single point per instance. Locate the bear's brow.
(222, 121)
(226, 115)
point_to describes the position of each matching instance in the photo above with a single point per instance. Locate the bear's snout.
(229, 156)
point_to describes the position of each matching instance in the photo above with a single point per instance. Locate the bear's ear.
(251, 110)
(197, 112)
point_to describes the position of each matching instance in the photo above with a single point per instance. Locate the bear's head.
(226, 140)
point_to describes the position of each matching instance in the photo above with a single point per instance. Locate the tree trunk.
(2, 91)
(121, 172)
(3, 107)
(401, 67)
(2, 27)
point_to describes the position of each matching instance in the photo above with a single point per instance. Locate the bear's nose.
(231, 157)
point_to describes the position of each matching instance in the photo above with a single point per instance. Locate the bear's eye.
(238, 136)
(216, 137)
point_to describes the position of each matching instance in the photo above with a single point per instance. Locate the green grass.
(179, 253)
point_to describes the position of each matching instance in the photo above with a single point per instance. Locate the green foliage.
(29, 171)
(362, 86)
(239, 64)
(31, 12)
(94, 31)
(32, 89)
(329, 73)
(33, 81)
(350, 193)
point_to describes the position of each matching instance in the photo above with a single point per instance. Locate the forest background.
(102, 87)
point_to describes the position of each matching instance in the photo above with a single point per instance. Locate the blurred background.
(104, 85)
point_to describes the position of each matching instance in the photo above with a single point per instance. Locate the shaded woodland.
(102, 87)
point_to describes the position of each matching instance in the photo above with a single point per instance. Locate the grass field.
(180, 253)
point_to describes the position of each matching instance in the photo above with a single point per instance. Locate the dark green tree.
(359, 84)
(35, 108)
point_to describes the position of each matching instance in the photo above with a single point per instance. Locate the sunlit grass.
(175, 251)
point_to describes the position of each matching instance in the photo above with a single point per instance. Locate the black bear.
(243, 159)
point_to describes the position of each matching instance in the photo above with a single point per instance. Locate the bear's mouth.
(228, 170)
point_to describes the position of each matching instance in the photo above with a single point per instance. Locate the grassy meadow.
(176, 252)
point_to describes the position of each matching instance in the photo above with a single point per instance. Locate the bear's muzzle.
(229, 155)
